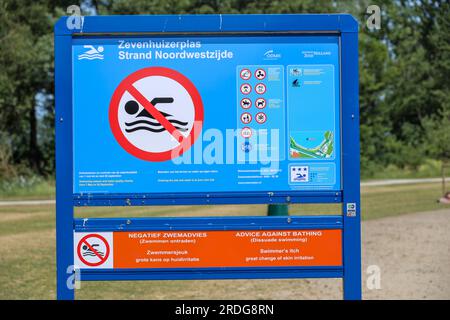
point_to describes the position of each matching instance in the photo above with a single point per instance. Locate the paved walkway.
(390, 182)
(26, 202)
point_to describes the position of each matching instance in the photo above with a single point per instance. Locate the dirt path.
(391, 182)
(413, 253)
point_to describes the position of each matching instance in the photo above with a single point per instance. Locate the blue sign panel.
(207, 109)
(248, 113)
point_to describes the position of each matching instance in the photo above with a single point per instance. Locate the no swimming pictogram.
(156, 114)
(93, 250)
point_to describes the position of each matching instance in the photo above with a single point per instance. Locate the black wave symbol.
(154, 130)
(92, 254)
(154, 126)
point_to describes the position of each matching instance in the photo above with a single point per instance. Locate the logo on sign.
(156, 114)
(351, 209)
(271, 55)
(93, 53)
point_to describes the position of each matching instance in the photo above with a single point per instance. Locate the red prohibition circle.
(258, 100)
(249, 103)
(245, 69)
(256, 117)
(101, 261)
(264, 86)
(246, 113)
(250, 88)
(251, 132)
(259, 69)
(185, 143)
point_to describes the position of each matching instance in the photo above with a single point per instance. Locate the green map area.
(323, 150)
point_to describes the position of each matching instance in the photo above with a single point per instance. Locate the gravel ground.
(412, 252)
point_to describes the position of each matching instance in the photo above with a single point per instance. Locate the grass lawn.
(27, 250)
(34, 187)
(27, 190)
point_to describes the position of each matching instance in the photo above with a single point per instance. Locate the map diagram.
(316, 145)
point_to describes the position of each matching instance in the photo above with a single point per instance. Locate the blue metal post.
(350, 167)
(64, 163)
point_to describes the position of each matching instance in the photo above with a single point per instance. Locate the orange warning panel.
(204, 249)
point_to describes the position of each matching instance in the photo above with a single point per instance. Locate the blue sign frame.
(342, 25)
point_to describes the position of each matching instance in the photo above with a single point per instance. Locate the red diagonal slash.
(155, 113)
(93, 250)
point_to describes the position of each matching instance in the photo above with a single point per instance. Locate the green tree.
(418, 34)
(26, 61)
